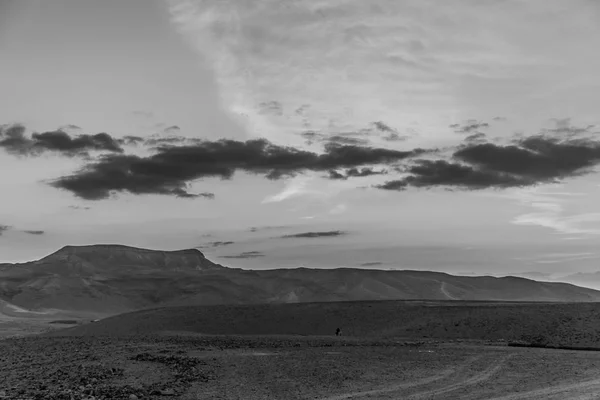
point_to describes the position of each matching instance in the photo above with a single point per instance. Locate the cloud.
(564, 129)
(538, 157)
(559, 211)
(432, 173)
(395, 137)
(355, 173)
(79, 207)
(469, 126)
(476, 137)
(246, 254)
(4, 228)
(165, 141)
(171, 169)
(315, 234)
(271, 107)
(131, 140)
(264, 228)
(220, 244)
(14, 141)
(173, 129)
(345, 140)
(550, 211)
(35, 232)
(526, 162)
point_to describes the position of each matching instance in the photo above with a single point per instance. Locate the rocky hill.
(111, 279)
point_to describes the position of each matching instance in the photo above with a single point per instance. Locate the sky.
(407, 134)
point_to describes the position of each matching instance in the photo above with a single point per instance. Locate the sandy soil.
(285, 367)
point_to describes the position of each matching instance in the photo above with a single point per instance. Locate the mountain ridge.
(110, 279)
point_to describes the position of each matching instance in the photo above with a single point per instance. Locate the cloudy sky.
(458, 136)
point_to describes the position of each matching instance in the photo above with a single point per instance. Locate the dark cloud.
(219, 244)
(35, 232)
(431, 173)
(71, 127)
(537, 158)
(469, 126)
(4, 228)
(476, 137)
(315, 234)
(528, 161)
(14, 141)
(365, 171)
(333, 174)
(246, 254)
(383, 127)
(355, 173)
(345, 140)
(172, 168)
(158, 141)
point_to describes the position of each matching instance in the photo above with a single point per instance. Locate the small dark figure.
(338, 332)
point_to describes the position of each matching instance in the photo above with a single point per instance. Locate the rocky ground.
(285, 367)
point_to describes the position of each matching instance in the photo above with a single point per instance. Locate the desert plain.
(388, 350)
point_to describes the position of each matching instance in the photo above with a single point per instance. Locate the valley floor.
(193, 367)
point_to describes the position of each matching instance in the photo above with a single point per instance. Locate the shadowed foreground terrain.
(196, 367)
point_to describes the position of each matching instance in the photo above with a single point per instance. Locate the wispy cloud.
(37, 233)
(551, 211)
(333, 66)
(312, 235)
(294, 187)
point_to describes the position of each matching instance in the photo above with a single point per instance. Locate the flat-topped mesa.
(127, 256)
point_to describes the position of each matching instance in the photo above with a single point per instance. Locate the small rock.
(167, 392)
(133, 397)
(3, 394)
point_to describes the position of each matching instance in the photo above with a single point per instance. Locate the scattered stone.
(133, 397)
(167, 392)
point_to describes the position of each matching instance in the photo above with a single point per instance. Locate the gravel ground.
(195, 367)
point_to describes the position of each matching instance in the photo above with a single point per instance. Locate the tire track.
(585, 390)
(473, 380)
(407, 385)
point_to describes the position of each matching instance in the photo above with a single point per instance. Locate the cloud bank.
(170, 170)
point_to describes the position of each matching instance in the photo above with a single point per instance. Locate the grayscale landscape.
(307, 199)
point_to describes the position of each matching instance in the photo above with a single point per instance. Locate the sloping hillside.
(111, 279)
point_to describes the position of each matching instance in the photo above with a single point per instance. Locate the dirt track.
(439, 384)
(471, 378)
(584, 390)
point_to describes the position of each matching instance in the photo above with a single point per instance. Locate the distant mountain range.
(111, 279)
